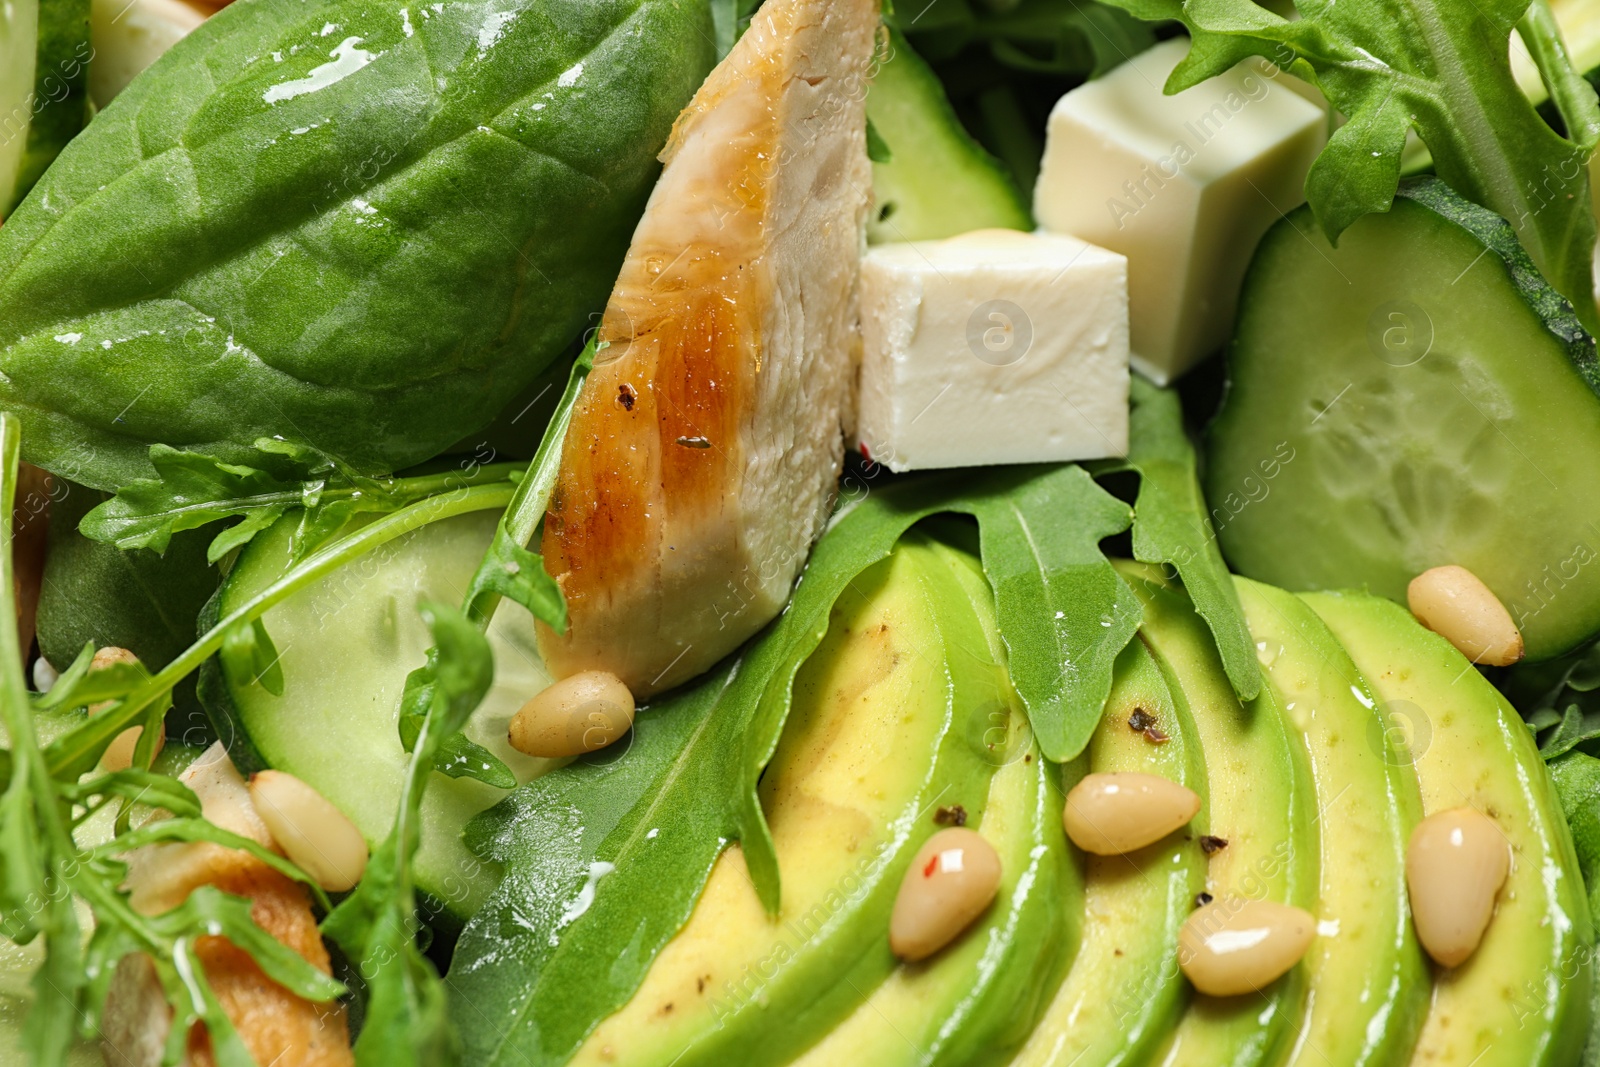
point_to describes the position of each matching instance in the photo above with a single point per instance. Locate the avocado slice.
(1125, 991)
(976, 1002)
(1368, 979)
(1522, 1000)
(891, 722)
(1263, 818)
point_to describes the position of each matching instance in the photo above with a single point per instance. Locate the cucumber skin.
(1554, 313)
(1553, 309)
(61, 82)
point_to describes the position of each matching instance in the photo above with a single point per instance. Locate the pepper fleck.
(954, 815)
(625, 397)
(1202, 899)
(695, 442)
(1210, 844)
(1142, 722)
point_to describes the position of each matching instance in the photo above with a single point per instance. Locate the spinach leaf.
(606, 858)
(1441, 67)
(1170, 526)
(405, 1022)
(364, 227)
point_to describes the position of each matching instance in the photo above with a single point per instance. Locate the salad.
(799, 532)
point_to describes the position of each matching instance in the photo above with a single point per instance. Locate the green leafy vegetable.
(508, 570)
(1441, 67)
(1560, 701)
(1171, 526)
(406, 1022)
(43, 870)
(564, 941)
(366, 237)
(192, 490)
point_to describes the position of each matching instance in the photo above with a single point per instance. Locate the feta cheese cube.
(1184, 186)
(993, 347)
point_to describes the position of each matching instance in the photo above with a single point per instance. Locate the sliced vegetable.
(1441, 408)
(44, 99)
(367, 239)
(1124, 991)
(1368, 987)
(937, 181)
(344, 648)
(1523, 998)
(1263, 826)
(900, 693)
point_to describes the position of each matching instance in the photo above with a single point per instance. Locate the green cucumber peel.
(1171, 526)
(1442, 68)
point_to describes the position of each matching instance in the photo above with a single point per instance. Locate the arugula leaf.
(406, 1022)
(509, 570)
(1560, 700)
(1171, 526)
(43, 871)
(1441, 67)
(192, 490)
(563, 942)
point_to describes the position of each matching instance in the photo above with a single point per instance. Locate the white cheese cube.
(993, 347)
(1184, 186)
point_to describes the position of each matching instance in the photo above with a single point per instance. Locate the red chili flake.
(866, 454)
(625, 397)
(933, 865)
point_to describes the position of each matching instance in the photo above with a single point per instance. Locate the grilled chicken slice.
(274, 1024)
(705, 450)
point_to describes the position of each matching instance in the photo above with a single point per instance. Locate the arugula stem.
(73, 749)
(1574, 97)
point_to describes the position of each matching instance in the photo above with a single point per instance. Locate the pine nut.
(118, 755)
(1233, 945)
(952, 879)
(1455, 865)
(582, 713)
(313, 833)
(1455, 604)
(1112, 813)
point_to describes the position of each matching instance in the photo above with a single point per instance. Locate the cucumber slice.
(1262, 803)
(1414, 397)
(938, 181)
(346, 645)
(1522, 1000)
(1125, 992)
(1368, 977)
(44, 98)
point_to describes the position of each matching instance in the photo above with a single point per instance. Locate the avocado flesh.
(1124, 992)
(889, 724)
(1521, 1000)
(1262, 803)
(1369, 984)
(977, 1000)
